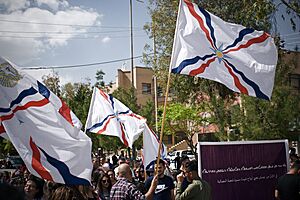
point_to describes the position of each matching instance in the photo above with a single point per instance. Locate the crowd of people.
(125, 179)
(112, 179)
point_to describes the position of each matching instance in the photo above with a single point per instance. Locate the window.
(146, 88)
(294, 80)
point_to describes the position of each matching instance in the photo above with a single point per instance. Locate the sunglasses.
(105, 181)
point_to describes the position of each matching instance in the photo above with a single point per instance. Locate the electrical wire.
(60, 32)
(64, 38)
(56, 24)
(80, 65)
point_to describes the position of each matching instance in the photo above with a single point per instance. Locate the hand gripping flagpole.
(166, 97)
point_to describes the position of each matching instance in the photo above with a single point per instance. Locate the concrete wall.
(143, 75)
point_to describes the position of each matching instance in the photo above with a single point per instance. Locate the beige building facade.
(143, 83)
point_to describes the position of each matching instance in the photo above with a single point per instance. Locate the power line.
(80, 65)
(67, 32)
(56, 24)
(63, 38)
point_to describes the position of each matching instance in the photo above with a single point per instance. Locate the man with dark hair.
(288, 187)
(198, 189)
(184, 161)
(33, 188)
(165, 186)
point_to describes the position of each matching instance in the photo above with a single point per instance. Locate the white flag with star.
(108, 116)
(241, 58)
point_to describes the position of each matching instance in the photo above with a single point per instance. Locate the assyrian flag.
(108, 116)
(42, 128)
(2, 131)
(150, 147)
(241, 58)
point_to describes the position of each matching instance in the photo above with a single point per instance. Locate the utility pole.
(155, 78)
(155, 101)
(131, 45)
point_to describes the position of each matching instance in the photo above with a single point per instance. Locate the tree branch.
(297, 11)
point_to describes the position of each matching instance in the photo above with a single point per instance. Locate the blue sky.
(25, 44)
(76, 44)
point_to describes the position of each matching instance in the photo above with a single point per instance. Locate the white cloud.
(106, 39)
(38, 74)
(53, 4)
(23, 50)
(20, 45)
(12, 5)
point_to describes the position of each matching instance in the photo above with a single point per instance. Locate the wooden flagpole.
(167, 94)
(163, 122)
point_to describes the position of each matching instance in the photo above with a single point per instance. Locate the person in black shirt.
(288, 187)
(165, 186)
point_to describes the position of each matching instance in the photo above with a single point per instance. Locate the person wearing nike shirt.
(165, 186)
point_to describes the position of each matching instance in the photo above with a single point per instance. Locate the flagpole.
(163, 122)
(166, 95)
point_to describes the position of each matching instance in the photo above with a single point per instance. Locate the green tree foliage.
(6, 147)
(147, 111)
(127, 97)
(52, 82)
(278, 118)
(80, 103)
(186, 118)
(229, 117)
(99, 79)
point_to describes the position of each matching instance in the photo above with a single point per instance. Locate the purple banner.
(243, 170)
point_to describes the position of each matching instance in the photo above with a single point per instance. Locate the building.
(145, 91)
(143, 83)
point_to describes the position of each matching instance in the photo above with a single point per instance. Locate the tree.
(147, 112)
(293, 5)
(52, 82)
(127, 97)
(99, 79)
(185, 118)
(6, 147)
(275, 119)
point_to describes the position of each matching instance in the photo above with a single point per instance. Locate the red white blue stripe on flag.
(44, 131)
(241, 58)
(108, 116)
